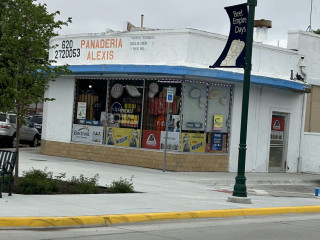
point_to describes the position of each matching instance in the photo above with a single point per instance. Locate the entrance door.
(277, 154)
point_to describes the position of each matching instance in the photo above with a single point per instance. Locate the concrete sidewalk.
(162, 195)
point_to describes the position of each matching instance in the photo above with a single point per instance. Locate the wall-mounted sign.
(234, 51)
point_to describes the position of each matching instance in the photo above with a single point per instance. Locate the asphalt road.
(293, 227)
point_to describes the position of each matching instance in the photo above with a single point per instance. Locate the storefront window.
(124, 113)
(91, 99)
(133, 113)
(90, 108)
(155, 115)
(218, 117)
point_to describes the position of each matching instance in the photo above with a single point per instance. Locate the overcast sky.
(95, 16)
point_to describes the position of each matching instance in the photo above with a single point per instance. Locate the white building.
(120, 80)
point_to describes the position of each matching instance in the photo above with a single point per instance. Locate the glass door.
(277, 154)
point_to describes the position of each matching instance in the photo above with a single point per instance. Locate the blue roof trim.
(185, 72)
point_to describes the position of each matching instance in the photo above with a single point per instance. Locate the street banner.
(234, 52)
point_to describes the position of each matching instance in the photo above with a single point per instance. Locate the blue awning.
(186, 72)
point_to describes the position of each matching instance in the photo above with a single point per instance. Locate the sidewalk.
(178, 194)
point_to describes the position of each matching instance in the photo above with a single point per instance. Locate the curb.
(105, 220)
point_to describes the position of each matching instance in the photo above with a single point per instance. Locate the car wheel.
(35, 142)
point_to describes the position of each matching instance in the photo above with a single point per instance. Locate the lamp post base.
(240, 188)
(234, 199)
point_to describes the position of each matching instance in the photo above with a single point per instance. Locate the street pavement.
(181, 194)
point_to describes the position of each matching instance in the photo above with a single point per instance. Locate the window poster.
(151, 139)
(217, 122)
(194, 106)
(193, 142)
(87, 134)
(172, 141)
(126, 137)
(216, 141)
(82, 110)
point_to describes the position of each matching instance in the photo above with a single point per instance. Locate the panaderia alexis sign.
(234, 52)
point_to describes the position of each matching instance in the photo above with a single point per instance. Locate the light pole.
(240, 189)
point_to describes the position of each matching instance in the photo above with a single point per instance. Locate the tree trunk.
(16, 171)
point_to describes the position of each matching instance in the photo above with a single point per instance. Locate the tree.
(25, 70)
(317, 31)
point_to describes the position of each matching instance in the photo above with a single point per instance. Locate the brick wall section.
(181, 162)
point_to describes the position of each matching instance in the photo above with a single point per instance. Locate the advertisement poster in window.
(193, 142)
(216, 141)
(87, 134)
(126, 137)
(172, 141)
(151, 139)
(277, 128)
(217, 122)
(82, 110)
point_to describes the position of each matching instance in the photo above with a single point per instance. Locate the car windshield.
(12, 118)
(36, 119)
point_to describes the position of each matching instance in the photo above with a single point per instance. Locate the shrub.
(37, 181)
(85, 185)
(121, 186)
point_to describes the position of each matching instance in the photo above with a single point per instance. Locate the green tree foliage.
(25, 70)
(317, 31)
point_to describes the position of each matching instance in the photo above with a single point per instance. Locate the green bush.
(85, 185)
(121, 186)
(36, 181)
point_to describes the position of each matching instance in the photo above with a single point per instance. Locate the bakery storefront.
(133, 114)
(113, 107)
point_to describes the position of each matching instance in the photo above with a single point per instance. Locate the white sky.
(95, 16)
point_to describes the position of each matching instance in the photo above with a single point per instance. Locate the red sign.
(151, 139)
(277, 124)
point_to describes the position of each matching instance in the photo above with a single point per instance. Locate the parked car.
(28, 132)
(37, 121)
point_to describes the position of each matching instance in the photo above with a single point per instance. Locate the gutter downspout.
(302, 67)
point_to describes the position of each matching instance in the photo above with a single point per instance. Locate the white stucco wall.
(57, 114)
(310, 160)
(263, 101)
(308, 45)
(180, 47)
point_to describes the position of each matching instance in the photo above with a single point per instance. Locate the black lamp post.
(240, 189)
